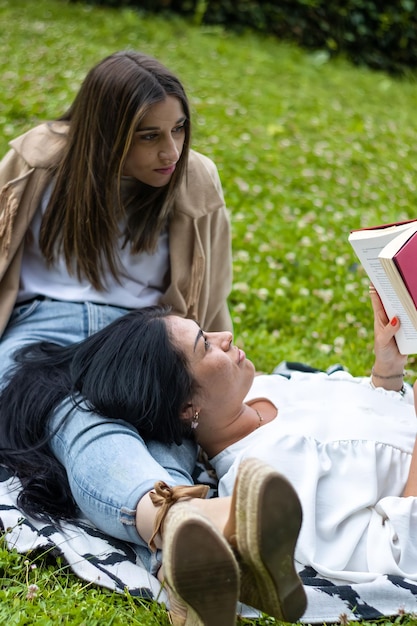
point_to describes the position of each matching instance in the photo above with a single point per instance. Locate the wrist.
(391, 376)
(402, 391)
(391, 379)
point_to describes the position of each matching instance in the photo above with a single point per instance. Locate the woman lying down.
(345, 444)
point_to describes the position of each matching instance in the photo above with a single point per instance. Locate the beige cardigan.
(199, 232)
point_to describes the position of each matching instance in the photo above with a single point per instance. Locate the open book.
(388, 254)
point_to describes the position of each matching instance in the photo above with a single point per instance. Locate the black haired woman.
(78, 425)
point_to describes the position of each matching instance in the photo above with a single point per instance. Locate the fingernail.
(394, 321)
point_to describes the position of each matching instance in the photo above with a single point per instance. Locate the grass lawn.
(307, 148)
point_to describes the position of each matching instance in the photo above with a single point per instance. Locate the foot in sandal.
(264, 531)
(200, 570)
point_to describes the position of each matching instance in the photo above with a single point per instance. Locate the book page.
(368, 252)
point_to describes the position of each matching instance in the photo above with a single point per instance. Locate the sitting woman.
(133, 376)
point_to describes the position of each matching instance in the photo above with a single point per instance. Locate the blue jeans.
(109, 466)
(63, 323)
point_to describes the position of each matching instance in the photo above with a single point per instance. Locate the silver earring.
(194, 421)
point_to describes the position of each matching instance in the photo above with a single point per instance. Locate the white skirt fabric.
(346, 448)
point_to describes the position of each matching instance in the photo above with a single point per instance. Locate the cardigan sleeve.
(218, 317)
(200, 248)
(220, 273)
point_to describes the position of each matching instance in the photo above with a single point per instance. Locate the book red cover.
(406, 261)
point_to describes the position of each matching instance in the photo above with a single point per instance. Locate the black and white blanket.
(95, 557)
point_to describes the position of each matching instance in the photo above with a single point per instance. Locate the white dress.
(346, 448)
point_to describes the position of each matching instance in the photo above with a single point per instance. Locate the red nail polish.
(394, 321)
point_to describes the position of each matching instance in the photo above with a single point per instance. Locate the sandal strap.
(165, 496)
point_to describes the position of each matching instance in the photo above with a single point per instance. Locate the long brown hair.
(82, 218)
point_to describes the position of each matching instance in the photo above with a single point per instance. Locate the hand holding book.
(388, 254)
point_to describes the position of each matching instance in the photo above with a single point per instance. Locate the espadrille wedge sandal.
(268, 518)
(200, 570)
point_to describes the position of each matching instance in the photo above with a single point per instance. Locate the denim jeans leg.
(110, 467)
(60, 322)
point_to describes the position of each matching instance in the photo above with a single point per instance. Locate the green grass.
(307, 149)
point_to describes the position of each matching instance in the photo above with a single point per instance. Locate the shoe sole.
(202, 570)
(268, 522)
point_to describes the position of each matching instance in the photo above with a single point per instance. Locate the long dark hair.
(85, 209)
(130, 370)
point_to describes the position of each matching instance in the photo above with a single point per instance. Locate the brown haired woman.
(106, 210)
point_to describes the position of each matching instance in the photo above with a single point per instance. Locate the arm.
(220, 273)
(388, 362)
(219, 259)
(388, 368)
(200, 249)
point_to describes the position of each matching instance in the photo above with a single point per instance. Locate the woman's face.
(221, 370)
(157, 144)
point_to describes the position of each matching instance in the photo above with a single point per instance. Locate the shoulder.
(202, 167)
(201, 162)
(200, 193)
(40, 146)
